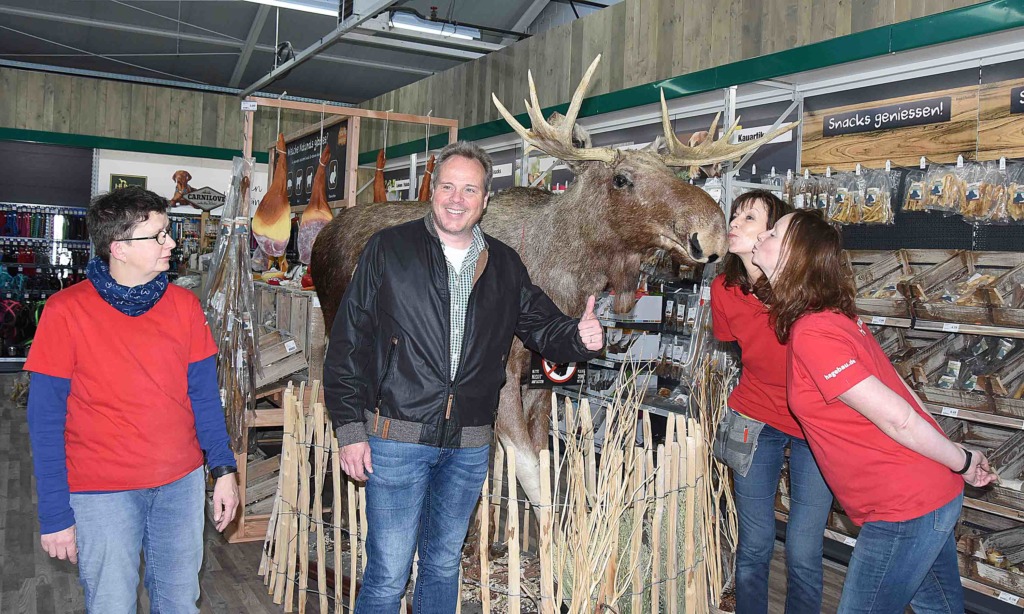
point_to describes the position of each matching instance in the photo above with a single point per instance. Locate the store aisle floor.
(32, 583)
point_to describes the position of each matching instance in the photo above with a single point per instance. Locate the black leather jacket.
(388, 362)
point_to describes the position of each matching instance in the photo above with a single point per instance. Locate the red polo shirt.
(761, 393)
(872, 476)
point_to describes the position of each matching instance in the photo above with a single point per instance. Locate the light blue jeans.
(165, 524)
(418, 497)
(896, 564)
(809, 504)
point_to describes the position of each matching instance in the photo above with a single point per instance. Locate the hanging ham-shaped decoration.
(318, 212)
(428, 175)
(272, 223)
(380, 190)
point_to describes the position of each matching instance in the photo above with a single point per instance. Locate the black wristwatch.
(967, 463)
(223, 470)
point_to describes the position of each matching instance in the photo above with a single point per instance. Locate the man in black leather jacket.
(416, 361)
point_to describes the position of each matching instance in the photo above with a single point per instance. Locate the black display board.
(45, 174)
(304, 159)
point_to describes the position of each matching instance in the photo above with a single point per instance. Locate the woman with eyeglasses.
(123, 413)
(887, 461)
(759, 428)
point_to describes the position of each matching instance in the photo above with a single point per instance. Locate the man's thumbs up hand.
(591, 332)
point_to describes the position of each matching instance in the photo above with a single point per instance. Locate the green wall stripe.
(986, 18)
(102, 142)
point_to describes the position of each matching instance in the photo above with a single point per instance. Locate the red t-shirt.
(761, 393)
(129, 418)
(872, 476)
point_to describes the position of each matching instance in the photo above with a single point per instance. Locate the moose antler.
(710, 151)
(555, 139)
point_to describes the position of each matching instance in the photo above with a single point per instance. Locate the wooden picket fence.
(643, 528)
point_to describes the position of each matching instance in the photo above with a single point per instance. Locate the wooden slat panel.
(1000, 134)
(9, 96)
(30, 101)
(904, 146)
(61, 121)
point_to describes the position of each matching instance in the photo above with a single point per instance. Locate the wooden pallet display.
(874, 271)
(1006, 297)
(927, 288)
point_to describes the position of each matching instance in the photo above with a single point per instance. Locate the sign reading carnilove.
(911, 113)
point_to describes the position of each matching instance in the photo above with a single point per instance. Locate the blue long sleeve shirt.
(47, 417)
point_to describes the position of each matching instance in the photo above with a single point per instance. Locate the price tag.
(950, 327)
(705, 293)
(290, 346)
(879, 320)
(1008, 597)
(249, 105)
(316, 302)
(849, 541)
(950, 411)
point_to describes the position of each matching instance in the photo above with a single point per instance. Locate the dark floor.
(33, 583)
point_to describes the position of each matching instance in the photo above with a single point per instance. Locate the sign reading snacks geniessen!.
(913, 113)
(1017, 100)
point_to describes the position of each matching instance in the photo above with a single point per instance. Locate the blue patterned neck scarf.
(133, 301)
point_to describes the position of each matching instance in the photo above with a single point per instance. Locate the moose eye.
(622, 181)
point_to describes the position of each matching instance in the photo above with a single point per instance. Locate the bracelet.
(221, 471)
(967, 463)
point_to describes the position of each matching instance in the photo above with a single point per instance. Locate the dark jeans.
(809, 505)
(912, 562)
(418, 497)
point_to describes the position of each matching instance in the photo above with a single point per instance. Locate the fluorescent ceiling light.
(320, 7)
(408, 21)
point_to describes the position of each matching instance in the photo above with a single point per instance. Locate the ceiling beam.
(194, 38)
(371, 9)
(250, 44)
(526, 19)
(397, 35)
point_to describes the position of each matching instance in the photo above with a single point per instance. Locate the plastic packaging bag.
(849, 199)
(917, 191)
(945, 189)
(804, 189)
(877, 198)
(1015, 194)
(825, 193)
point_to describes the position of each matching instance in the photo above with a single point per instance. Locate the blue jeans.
(809, 504)
(418, 497)
(163, 523)
(911, 562)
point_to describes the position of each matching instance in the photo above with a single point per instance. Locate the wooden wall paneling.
(904, 146)
(869, 14)
(186, 117)
(29, 101)
(8, 96)
(49, 92)
(1000, 133)
(638, 23)
(62, 104)
(578, 60)
(594, 43)
(88, 98)
(208, 134)
(692, 25)
(126, 110)
(616, 33)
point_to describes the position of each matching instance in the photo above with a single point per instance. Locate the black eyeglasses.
(160, 237)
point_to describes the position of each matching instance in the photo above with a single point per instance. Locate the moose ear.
(657, 145)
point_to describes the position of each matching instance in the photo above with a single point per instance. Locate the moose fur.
(592, 237)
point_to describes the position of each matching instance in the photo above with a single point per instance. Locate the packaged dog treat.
(985, 194)
(825, 193)
(945, 189)
(877, 207)
(1015, 194)
(917, 190)
(849, 199)
(804, 190)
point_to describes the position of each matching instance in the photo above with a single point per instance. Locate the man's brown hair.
(811, 274)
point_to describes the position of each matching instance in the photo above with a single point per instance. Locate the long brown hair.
(735, 272)
(814, 276)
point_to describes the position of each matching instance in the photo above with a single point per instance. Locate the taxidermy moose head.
(623, 206)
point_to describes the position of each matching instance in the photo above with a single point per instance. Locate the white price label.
(290, 346)
(316, 302)
(880, 320)
(1008, 597)
(249, 105)
(705, 293)
(950, 327)
(950, 411)
(231, 322)
(849, 541)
